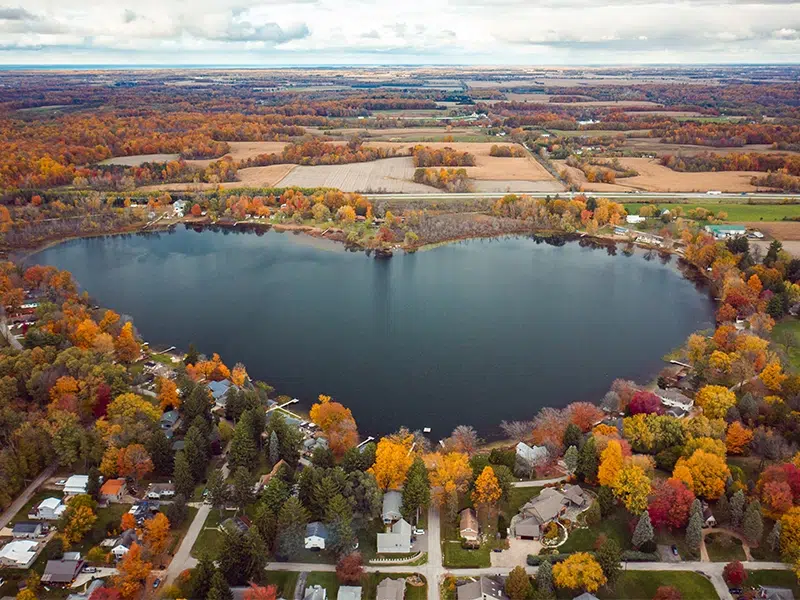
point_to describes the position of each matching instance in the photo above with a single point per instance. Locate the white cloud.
(383, 31)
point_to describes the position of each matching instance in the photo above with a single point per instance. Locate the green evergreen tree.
(182, 475)
(753, 523)
(274, 449)
(324, 491)
(605, 497)
(195, 447)
(275, 494)
(518, 584)
(588, 461)
(93, 485)
(609, 556)
(266, 522)
(177, 511)
(292, 521)
(593, 514)
(220, 590)
(200, 579)
(217, 489)
(774, 537)
(339, 519)
(192, 356)
(323, 458)
(737, 508)
(306, 483)
(573, 436)
(571, 459)
(160, 450)
(722, 511)
(544, 580)
(243, 449)
(416, 490)
(242, 488)
(694, 534)
(643, 532)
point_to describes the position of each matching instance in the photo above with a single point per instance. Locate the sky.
(385, 32)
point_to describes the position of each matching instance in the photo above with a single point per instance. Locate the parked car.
(735, 590)
(418, 531)
(61, 482)
(674, 550)
(89, 570)
(157, 582)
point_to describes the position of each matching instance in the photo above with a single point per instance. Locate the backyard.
(613, 526)
(722, 547)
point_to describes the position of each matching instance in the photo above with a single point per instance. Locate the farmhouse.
(468, 526)
(27, 531)
(396, 542)
(486, 588)
(722, 232)
(391, 589)
(61, 572)
(76, 484)
(113, 490)
(316, 536)
(19, 554)
(392, 501)
(49, 509)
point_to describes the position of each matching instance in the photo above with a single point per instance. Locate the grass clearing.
(644, 584)
(614, 526)
(518, 497)
(208, 542)
(736, 212)
(722, 547)
(22, 514)
(455, 556)
(371, 580)
(787, 334)
(325, 579)
(285, 581)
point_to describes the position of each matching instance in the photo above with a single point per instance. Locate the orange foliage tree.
(737, 438)
(134, 461)
(168, 393)
(127, 347)
(132, 570)
(337, 423)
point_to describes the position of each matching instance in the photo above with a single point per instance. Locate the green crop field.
(736, 212)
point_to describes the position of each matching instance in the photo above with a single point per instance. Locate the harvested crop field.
(139, 159)
(654, 146)
(249, 177)
(242, 150)
(488, 167)
(402, 134)
(656, 178)
(788, 231)
(388, 174)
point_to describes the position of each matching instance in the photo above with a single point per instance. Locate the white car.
(61, 482)
(419, 531)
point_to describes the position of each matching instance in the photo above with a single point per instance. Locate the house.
(621, 230)
(391, 589)
(392, 501)
(143, 509)
(265, 479)
(634, 219)
(241, 524)
(586, 596)
(27, 531)
(113, 490)
(179, 208)
(316, 536)
(158, 491)
(468, 526)
(708, 516)
(396, 542)
(672, 398)
(544, 508)
(170, 421)
(529, 457)
(311, 444)
(49, 509)
(775, 593)
(76, 484)
(315, 592)
(349, 592)
(219, 390)
(123, 543)
(19, 554)
(722, 232)
(61, 572)
(486, 588)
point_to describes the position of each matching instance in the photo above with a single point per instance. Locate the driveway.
(517, 553)
(84, 578)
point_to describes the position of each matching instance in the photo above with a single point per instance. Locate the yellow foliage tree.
(632, 487)
(79, 522)
(487, 489)
(168, 393)
(132, 570)
(239, 374)
(610, 463)
(737, 438)
(579, 572)
(128, 349)
(337, 423)
(715, 400)
(393, 458)
(790, 534)
(773, 376)
(108, 465)
(706, 444)
(450, 473)
(720, 361)
(85, 333)
(707, 474)
(156, 533)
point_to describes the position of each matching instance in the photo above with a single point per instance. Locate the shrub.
(639, 556)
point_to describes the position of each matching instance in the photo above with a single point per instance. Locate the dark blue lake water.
(468, 333)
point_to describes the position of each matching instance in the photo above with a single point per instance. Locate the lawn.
(285, 581)
(677, 538)
(787, 334)
(736, 212)
(37, 498)
(517, 498)
(325, 579)
(722, 547)
(773, 578)
(614, 526)
(178, 533)
(455, 556)
(643, 584)
(210, 537)
(108, 520)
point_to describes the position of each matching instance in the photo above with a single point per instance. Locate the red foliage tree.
(670, 504)
(645, 402)
(350, 568)
(667, 592)
(584, 414)
(104, 593)
(734, 573)
(102, 400)
(257, 592)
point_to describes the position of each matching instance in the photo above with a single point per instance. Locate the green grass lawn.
(285, 581)
(736, 212)
(455, 556)
(785, 579)
(108, 519)
(179, 532)
(722, 547)
(517, 498)
(677, 538)
(210, 537)
(614, 526)
(643, 584)
(326, 580)
(787, 334)
(37, 498)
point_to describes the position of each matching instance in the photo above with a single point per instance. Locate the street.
(25, 496)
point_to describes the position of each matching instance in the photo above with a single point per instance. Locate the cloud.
(15, 14)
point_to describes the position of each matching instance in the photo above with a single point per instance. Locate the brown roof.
(112, 487)
(469, 521)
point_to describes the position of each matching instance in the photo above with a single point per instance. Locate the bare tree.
(465, 439)
(519, 431)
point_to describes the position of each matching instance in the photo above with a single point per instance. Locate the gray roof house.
(586, 596)
(61, 571)
(27, 530)
(315, 592)
(392, 501)
(775, 593)
(316, 536)
(219, 390)
(486, 588)
(396, 542)
(349, 592)
(391, 589)
(672, 398)
(546, 507)
(532, 455)
(96, 583)
(169, 422)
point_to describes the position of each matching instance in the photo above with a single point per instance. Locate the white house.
(396, 542)
(315, 592)
(349, 592)
(674, 399)
(179, 207)
(49, 509)
(124, 543)
(532, 455)
(634, 219)
(76, 484)
(19, 554)
(316, 536)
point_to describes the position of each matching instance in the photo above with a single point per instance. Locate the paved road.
(25, 496)
(183, 559)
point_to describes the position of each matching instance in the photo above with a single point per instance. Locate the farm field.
(786, 231)
(408, 134)
(633, 133)
(139, 159)
(654, 177)
(754, 215)
(388, 174)
(242, 150)
(250, 177)
(638, 143)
